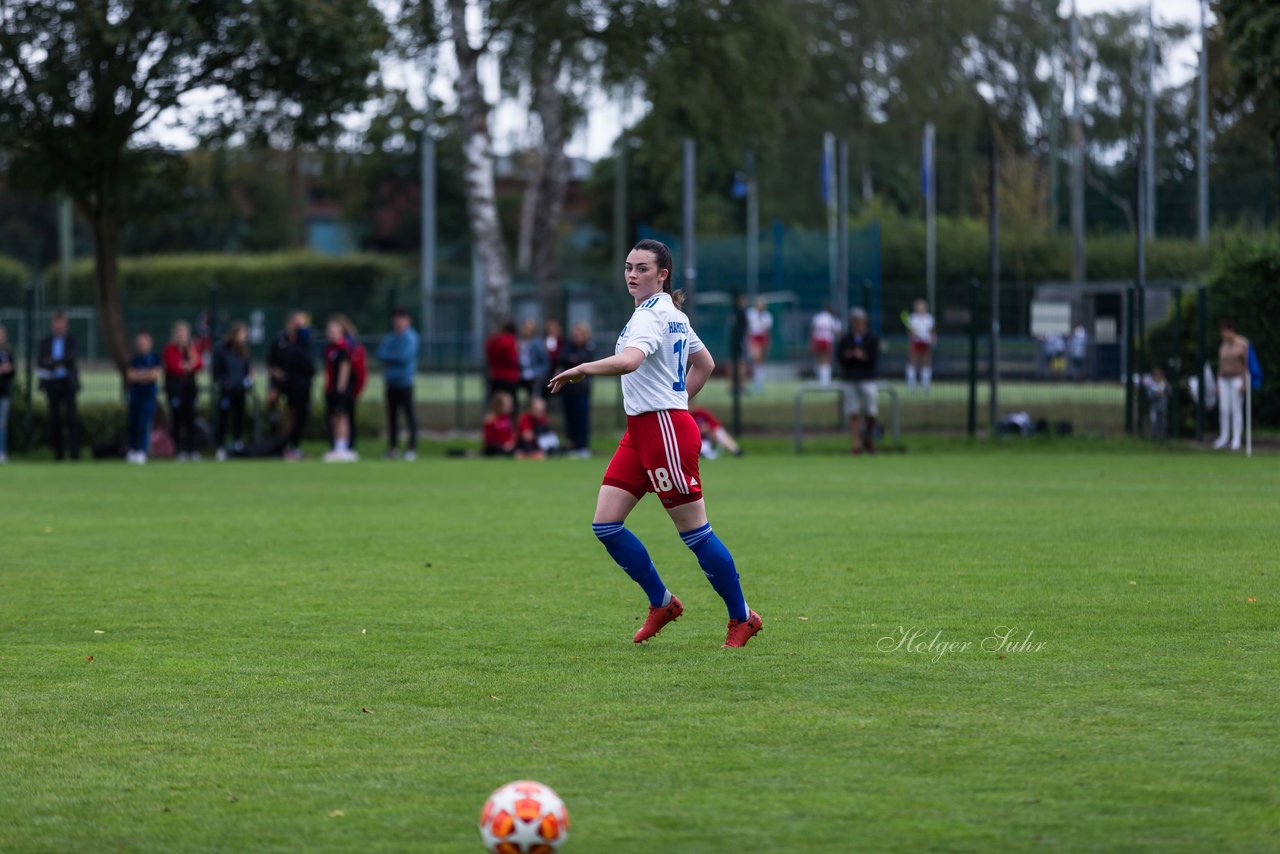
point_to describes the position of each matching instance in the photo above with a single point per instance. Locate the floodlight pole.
(427, 273)
(829, 196)
(688, 249)
(930, 219)
(1202, 133)
(993, 192)
(1078, 273)
(1149, 125)
(753, 226)
(841, 304)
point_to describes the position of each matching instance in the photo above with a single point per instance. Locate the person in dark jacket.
(232, 377)
(859, 353)
(292, 369)
(143, 374)
(60, 381)
(577, 396)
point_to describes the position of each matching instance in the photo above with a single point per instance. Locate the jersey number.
(660, 479)
(678, 385)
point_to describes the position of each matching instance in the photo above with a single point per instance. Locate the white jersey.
(662, 332)
(759, 321)
(921, 326)
(824, 327)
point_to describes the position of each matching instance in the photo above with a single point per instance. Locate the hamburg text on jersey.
(662, 332)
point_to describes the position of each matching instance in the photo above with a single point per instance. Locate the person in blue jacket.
(398, 353)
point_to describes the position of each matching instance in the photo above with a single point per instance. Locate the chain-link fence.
(1067, 358)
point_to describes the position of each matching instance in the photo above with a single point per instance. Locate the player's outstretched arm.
(699, 371)
(613, 366)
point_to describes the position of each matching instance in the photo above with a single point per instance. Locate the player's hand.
(564, 378)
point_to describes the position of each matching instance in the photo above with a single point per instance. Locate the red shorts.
(761, 341)
(820, 347)
(658, 453)
(920, 348)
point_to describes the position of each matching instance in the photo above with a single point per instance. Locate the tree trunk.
(554, 169)
(528, 214)
(106, 278)
(477, 155)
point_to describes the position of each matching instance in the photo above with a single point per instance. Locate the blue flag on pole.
(1255, 369)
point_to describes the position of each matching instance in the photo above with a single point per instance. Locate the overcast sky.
(606, 116)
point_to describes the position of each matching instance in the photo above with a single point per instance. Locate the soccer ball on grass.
(524, 817)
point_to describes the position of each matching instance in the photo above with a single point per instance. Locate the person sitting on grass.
(537, 437)
(713, 434)
(499, 436)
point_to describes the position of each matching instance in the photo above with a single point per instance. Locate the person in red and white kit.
(759, 330)
(920, 355)
(823, 330)
(663, 365)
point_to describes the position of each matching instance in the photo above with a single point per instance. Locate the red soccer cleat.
(658, 617)
(741, 631)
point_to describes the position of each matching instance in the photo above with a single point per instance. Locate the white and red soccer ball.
(524, 817)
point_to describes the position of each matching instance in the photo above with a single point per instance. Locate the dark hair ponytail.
(662, 257)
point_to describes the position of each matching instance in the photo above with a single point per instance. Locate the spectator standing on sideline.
(232, 377)
(502, 358)
(823, 330)
(553, 339)
(859, 352)
(534, 361)
(398, 352)
(144, 374)
(1233, 365)
(577, 396)
(759, 330)
(292, 370)
(499, 433)
(60, 380)
(339, 391)
(1077, 349)
(923, 337)
(182, 364)
(6, 386)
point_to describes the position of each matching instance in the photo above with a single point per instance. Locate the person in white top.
(920, 353)
(663, 365)
(823, 330)
(759, 329)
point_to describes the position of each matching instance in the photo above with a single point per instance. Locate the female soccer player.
(663, 364)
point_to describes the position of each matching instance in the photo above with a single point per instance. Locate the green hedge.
(1030, 258)
(14, 276)
(1244, 285)
(293, 278)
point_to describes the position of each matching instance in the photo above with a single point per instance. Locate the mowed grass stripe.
(251, 611)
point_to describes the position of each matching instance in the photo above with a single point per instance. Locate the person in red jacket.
(499, 433)
(502, 355)
(182, 364)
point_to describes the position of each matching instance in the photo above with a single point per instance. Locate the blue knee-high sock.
(717, 565)
(630, 554)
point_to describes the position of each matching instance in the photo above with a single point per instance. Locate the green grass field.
(265, 657)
